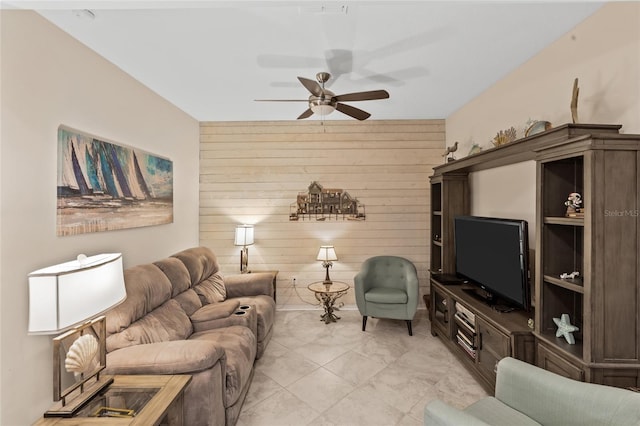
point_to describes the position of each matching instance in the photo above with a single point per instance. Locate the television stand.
(478, 334)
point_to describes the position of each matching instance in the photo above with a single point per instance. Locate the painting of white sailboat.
(103, 186)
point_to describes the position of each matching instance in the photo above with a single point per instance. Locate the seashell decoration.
(505, 136)
(81, 355)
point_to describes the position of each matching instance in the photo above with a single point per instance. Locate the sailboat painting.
(103, 186)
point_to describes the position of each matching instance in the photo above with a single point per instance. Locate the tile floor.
(335, 375)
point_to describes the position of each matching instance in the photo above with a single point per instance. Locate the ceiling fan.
(323, 101)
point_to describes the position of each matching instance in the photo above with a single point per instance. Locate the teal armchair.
(528, 395)
(387, 287)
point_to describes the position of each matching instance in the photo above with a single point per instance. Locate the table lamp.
(70, 298)
(244, 238)
(327, 254)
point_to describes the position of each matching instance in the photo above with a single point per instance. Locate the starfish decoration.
(565, 328)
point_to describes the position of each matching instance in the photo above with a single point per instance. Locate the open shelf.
(563, 249)
(570, 284)
(560, 178)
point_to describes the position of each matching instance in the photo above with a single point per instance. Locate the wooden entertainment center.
(602, 244)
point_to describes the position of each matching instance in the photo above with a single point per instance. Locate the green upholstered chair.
(528, 395)
(387, 287)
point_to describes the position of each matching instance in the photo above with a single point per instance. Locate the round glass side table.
(327, 294)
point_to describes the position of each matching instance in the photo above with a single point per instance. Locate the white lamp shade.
(244, 235)
(70, 293)
(327, 253)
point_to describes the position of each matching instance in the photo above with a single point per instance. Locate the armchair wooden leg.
(409, 327)
(364, 322)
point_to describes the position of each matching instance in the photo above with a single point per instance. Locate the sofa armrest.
(253, 284)
(215, 311)
(437, 413)
(224, 314)
(174, 357)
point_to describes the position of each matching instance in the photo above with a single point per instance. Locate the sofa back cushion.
(147, 288)
(204, 272)
(166, 323)
(149, 307)
(211, 290)
(181, 290)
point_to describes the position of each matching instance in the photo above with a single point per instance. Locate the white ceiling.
(213, 58)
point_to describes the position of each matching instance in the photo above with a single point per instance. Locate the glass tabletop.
(334, 287)
(118, 402)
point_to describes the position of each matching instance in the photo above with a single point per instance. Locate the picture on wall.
(322, 203)
(103, 186)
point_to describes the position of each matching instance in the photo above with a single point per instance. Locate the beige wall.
(49, 79)
(252, 172)
(602, 52)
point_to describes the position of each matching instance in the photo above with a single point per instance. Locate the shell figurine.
(81, 355)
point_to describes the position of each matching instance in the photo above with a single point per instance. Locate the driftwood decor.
(321, 203)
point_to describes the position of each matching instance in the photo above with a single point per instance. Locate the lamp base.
(327, 280)
(69, 409)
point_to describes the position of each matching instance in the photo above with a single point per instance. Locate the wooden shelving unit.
(604, 246)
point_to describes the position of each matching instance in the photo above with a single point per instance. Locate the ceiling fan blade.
(281, 100)
(363, 96)
(308, 113)
(353, 111)
(312, 86)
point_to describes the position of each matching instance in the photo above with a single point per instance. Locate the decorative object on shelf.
(571, 276)
(327, 254)
(505, 136)
(67, 298)
(326, 203)
(574, 101)
(574, 205)
(244, 238)
(103, 186)
(565, 328)
(450, 150)
(531, 323)
(475, 148)
(537, 127)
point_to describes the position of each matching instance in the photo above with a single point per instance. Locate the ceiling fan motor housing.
(324, 104)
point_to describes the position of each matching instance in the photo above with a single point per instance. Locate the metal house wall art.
(321, 203)
(103, 186)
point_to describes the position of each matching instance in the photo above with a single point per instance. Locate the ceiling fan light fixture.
(321, 109)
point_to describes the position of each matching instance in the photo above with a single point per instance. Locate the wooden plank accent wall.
(251, 172)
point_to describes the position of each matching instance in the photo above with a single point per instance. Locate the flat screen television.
(493, 255)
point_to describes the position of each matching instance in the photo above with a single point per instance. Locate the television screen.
(492, 253)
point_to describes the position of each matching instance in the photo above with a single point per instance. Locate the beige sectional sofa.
(181, 316)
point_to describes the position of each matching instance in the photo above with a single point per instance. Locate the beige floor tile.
(334, 374)
(321, 389)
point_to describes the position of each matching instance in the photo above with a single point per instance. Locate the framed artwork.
(104, 186)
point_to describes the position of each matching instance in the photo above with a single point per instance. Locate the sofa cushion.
(211, 290)
(239, 345)
(200, 262)
(147, 288)
(177, 274)
(166, 323)
(176, 357)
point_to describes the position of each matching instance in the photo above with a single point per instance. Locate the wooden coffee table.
(153, 398)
